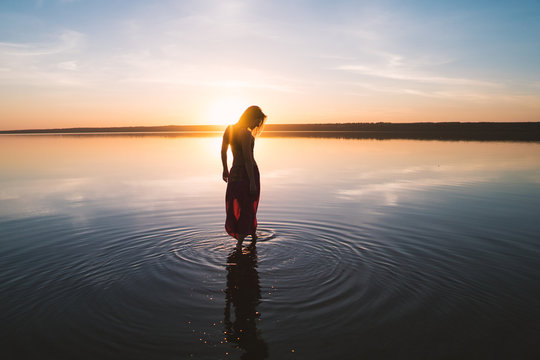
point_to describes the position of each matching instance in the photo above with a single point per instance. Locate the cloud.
(68, 65)
(465, 94)
(147, 68)
(43, 64)
(397, 73)
(66, 41)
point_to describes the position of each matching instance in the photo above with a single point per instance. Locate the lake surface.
(114, 247)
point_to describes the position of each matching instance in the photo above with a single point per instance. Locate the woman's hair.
(251, 115)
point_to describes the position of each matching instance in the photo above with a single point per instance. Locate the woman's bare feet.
(240, 241)
(254, 238)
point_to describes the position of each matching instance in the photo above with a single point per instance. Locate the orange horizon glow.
(223, 112)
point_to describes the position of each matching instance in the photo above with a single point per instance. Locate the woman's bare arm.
(224, 147)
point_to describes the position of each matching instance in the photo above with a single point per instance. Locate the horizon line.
(222, 126)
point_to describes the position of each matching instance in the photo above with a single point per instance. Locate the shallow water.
(114, 247)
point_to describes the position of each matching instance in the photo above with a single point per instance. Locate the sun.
(225, 111)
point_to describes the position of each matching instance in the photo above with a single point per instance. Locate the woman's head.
(253, 118)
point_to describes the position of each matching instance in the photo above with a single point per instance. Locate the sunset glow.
(224, 111)
(127, 63)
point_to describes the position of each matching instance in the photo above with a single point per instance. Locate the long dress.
(240, 205)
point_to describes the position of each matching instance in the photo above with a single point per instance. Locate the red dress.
(240, 205)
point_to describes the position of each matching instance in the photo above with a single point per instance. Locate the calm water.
(113, 247)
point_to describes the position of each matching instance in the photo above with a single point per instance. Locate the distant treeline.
(489, 131)
(125, 129)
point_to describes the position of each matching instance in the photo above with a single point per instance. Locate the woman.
(243, 182)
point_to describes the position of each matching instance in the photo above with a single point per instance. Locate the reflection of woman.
(243, 188)
(244, 294)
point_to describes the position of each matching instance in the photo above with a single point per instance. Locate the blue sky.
(85, 63)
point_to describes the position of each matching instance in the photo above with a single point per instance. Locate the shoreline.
(483, 131)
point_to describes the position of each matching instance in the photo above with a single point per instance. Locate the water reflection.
(398, 249)
(243, 294)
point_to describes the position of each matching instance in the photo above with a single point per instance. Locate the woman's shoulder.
(240, 132)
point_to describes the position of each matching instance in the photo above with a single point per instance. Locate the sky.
(69, 63)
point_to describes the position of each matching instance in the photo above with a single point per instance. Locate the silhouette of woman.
(243, 181)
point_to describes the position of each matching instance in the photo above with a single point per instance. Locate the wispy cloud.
(66, 41)
(44, 64)
(397, 72)
(68, 65)
(145, 68)
(460, 94)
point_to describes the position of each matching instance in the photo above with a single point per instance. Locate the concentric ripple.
(150, 286)
(120, 283)
(312, 266)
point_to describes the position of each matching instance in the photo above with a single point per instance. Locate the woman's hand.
(252, 188)
(225, 175)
